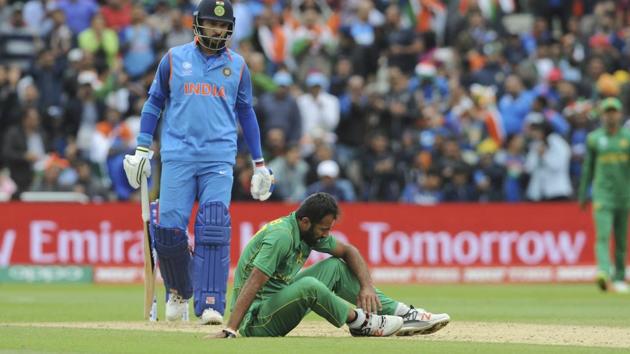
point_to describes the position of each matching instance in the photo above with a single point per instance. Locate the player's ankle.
(359, 319)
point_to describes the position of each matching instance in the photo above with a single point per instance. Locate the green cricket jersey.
(607, 165)
(277, 251)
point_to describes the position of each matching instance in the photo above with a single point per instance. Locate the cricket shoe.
(620, 287)
(378, 326)
(210, 317)
(419, 321)
(175, 307)
(602, 281)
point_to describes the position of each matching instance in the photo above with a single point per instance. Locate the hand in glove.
(137, 165)
(262, 181)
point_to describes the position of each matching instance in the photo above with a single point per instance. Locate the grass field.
(30, 316)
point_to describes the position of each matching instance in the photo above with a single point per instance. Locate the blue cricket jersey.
(203, 97)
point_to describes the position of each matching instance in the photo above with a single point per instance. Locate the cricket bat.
(150, 301)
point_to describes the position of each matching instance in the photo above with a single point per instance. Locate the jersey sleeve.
(244, 97)
(326, 244)
(275, 247)
(160, 85)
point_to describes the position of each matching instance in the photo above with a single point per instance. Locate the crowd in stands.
(412, 101)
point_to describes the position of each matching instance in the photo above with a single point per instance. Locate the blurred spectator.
(261, 81)
(178, 34)
(9, 104)
(488, 176)
(18, 43)
(89, 184)
(280, 110)
(312, 44)
(100, 41)
(59, 39)
(515, 104)
(514, 161)
(353, 122)
(424, 189)
(24, 146)
(380, 180)
(48, 78)
(329, 182)
(319, 110)
(137, 43)
(460, 188)
(547, 163)
(79, 13)
(402, 43)
(50, 180)
(35, 16)
(578, 117)
(84, 111)
(400, 104)
(290, 173)
(117, 14)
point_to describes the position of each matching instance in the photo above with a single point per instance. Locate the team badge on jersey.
(227, 71)
(603, 142)
(623, 143)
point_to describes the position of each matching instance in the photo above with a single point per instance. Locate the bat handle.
(144, 196)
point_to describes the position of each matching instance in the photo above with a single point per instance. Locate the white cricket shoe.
(620, 287)
(378, 326)
(210, 317)
(419, 321)
(175, 307)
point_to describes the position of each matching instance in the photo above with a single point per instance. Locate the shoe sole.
(411, 331)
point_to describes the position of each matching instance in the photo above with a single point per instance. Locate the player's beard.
(308, 236)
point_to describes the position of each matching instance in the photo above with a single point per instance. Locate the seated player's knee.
(311, 286)
(335, 262)
(212, 256)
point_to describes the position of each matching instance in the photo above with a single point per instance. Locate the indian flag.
(423, 15)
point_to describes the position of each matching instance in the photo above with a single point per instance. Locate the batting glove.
(138, 165)
(262, 181)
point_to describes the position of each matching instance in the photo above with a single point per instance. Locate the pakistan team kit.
(607, 165)
(326, 288)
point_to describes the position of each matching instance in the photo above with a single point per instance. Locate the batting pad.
(171, 246)
(211, 260)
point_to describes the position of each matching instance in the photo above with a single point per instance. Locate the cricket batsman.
(270, 297)
(201, 89)
(607, 165)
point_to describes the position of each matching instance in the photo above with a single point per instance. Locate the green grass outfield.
(580, 305)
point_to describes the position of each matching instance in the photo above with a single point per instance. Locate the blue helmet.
(218, 11)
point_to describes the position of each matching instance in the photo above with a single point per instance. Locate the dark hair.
(317, 206)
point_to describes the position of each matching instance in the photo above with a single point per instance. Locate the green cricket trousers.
(609, 219)
(326, 288)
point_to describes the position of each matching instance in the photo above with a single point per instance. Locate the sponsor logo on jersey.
(203, 89)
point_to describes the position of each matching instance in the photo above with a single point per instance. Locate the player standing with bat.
(202, 89)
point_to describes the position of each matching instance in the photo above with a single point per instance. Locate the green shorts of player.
(611, 218)
(327, 288)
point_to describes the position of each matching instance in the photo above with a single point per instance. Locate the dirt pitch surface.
(460, 331)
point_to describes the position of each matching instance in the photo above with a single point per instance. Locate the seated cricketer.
(270, 297)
